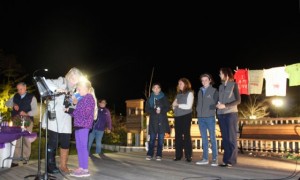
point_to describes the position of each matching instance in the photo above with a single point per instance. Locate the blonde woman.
(60, 126)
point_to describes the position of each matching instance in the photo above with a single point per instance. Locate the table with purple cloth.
(8, 137)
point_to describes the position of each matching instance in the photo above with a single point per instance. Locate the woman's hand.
(220, 106)
(74, 100)
(174, 104)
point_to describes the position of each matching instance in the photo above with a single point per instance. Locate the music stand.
(45, 92)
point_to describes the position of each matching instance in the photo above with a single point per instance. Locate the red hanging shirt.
(241, 78)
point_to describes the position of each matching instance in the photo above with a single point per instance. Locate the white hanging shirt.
(276, 79)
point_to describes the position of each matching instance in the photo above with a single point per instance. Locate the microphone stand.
(46, 175)
(39, 176)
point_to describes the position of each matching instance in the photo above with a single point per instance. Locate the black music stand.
(46, 93)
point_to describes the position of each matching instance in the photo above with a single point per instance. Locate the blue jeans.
(160, 142)
(98, 135)
(208, 123)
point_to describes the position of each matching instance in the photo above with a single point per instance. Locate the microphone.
(33, 74)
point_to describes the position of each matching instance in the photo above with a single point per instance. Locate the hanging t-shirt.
(255, 81)
(241, 78)
(293, 71)
(275, 81)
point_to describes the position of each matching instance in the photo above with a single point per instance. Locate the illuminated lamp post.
(277, 103)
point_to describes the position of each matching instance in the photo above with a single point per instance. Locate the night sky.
(118, 45)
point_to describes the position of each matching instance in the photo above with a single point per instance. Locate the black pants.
(183, 136)
(55, 139)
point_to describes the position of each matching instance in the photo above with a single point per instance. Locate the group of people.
(89, 121)
(211, 103)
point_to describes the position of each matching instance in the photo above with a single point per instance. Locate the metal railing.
(244, 144)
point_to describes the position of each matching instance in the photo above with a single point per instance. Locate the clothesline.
(251, 81)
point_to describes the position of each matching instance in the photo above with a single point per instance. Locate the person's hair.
(187, 85)
(102, 100)
(21, 83)
(91, 91)
(156, 84)
(73, 71)
(209, 76)
(227, 73)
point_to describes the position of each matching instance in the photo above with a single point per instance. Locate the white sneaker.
(80, 173)
(202, 162)
(158, 158)
(214, 162)
(148, 158)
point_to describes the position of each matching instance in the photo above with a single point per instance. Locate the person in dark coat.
(157, 106)
(102, 124)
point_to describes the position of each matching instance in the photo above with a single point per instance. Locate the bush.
(118, 135)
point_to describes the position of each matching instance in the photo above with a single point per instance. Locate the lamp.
(33, 74)
(277, 102)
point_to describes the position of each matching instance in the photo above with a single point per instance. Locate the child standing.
(84, 115)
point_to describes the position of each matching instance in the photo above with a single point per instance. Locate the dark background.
(118, 45)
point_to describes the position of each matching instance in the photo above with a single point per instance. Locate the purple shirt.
(103, 119)
(84, 112)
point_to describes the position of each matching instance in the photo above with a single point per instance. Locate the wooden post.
(129, 139)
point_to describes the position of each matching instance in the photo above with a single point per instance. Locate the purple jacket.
(84, 112)
(103, 120)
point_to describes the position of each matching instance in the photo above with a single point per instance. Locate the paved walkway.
(133, 166)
